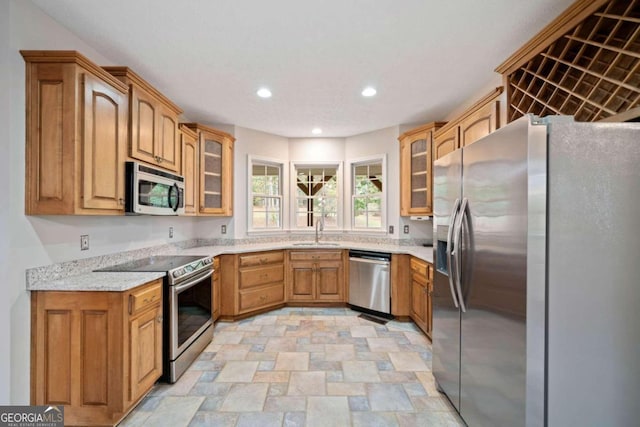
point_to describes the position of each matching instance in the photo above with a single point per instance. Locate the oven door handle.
(184, 286)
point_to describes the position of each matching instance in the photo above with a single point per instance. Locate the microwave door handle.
(175, 188)
(450, 249)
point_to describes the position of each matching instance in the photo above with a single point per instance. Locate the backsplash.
(86, 265)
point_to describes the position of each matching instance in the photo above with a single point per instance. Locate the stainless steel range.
(188, 326)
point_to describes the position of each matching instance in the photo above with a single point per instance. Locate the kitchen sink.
(316, 244)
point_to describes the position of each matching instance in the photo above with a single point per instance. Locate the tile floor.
(304, 367)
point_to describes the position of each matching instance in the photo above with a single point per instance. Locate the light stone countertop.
(122, 281)
(98, 281)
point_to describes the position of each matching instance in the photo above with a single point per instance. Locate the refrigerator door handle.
(457, 259)
(452, 221)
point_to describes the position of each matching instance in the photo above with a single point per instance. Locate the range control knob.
(178, 272)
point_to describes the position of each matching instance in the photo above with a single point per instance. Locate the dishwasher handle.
(377, 261)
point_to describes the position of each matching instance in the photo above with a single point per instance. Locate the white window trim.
(292, 188)
(284, 197)
(383, 206)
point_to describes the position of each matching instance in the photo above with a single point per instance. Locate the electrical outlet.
(84, 242)
(223, 229)
(406, 229)
(171, 232)
(391, 229)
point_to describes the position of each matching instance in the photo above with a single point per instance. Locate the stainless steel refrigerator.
(536, 303)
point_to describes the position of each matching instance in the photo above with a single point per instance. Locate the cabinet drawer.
(315, 255)
(261, 275)
(142, 298)
(257, 298)
(261, 258)
(418, 266)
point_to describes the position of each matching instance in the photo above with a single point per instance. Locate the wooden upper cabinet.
(446, 142)
(215, 170)
(153, 123)
(479, 124)
(478, 121)
(190, 169)
(76, 136)
(416, 160)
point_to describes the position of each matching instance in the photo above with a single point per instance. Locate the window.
(316, 195)
(266, 195)
(368, 195)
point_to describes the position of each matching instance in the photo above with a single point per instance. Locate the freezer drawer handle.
(456, 252)
(454, 213)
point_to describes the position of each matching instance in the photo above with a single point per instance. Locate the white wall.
(36, 241)
(256, 143)
(5, 176)
(379, 142)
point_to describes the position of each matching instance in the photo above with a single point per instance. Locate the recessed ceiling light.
(264, 93)
(316, 131)
(369, 91)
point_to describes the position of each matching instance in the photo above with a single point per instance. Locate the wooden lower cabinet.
(251, 282)
(316, 276)
(215, 292)
(421, 289)
(96, 353)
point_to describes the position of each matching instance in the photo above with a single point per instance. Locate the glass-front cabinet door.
(416, 161)
(216, 171)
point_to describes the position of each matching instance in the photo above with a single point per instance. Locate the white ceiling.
(424, 56)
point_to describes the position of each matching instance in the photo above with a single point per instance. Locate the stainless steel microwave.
(153, 191)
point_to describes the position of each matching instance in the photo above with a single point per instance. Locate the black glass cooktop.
(155, 263)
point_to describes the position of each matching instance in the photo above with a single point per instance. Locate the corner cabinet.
(416, 160)
(215, 170)
(153, 122)
(97, 353)
(421, 290)
(478, 121)
(76, 136)
(252, 282)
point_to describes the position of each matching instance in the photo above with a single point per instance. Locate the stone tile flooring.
(304, 367)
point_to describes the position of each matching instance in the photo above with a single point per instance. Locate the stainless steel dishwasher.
(369, 285)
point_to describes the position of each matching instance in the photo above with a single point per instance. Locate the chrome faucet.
(319, 224)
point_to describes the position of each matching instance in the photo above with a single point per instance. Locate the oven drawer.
(149, 295)
(263, 297)
(257, 276)
(261, 258)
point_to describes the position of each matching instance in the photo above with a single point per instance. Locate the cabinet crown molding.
(73, 57)
(129, 77)
(482, 101)
(197, 127)
(423, 128)
(575, 13)
(187, 130)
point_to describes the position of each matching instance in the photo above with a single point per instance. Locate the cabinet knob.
(121, 201)
(159, 319)
(264, 260)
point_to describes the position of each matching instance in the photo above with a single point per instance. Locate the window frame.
(265, 161)
(294, 166)
(378, 158)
